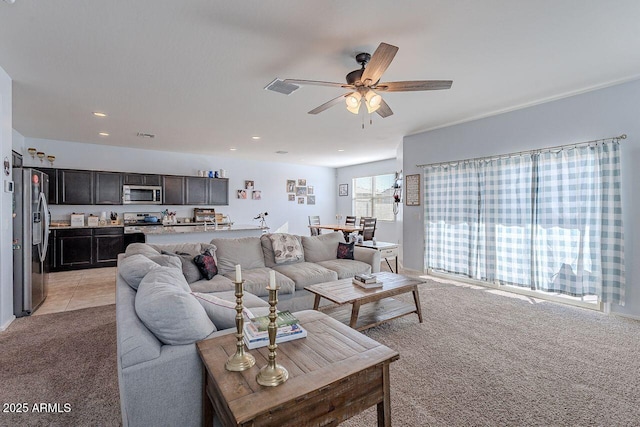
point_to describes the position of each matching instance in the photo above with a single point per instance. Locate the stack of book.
(367, 281)
(256, 332)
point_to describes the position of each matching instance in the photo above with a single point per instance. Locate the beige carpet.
(480, 358)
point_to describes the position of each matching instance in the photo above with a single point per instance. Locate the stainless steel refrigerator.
(30, 240)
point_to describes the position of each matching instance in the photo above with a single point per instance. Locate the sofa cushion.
(221, 312)
(269, 255)
(246, 251)
(306, 273)
(345, 250)
(133, 268)
(189, 268)
(167, 308)
(140, 249)
(346, 267)
(189, 248)
(256, 281)
(206, 264)
(217, 283)
(323, 247)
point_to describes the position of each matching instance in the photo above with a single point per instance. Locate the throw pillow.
(286, 248)
(221, 312)
(206, 264)
(190, 270)
(345, 250)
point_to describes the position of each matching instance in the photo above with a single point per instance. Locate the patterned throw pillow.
(345, 250)
(206, 264)
(286, 248)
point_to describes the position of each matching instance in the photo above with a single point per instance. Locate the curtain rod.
(519, 153)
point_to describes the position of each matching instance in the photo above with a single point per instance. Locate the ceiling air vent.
(146, 135)
(281, 87)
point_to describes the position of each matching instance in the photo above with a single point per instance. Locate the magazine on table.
(285, 318)
(372, 285)
(255, 339)
(365, 278)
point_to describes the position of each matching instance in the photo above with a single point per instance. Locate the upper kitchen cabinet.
(196, 190)
(218, 193)
(52, 197)
(142, 179)
(108, 188)
(75, 187)
(173, 190)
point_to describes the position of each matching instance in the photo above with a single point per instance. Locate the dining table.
(338, 227)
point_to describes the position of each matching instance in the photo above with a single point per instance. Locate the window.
(373, 196)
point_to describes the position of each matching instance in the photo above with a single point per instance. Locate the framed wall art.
(343, 190)
(412, 189)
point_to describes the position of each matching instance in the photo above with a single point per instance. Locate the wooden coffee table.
(370, 307)
(334, 373)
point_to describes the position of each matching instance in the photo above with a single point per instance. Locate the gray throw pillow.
(189, 268)
(167, 308)
(134, 268)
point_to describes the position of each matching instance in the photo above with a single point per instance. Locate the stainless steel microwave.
(141, 194)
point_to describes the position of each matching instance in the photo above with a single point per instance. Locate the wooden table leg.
(207, 406)
(384, 407)
(316, 302)
(354, 314)
(416, 299)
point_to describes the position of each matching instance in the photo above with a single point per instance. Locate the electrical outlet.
(8, 186)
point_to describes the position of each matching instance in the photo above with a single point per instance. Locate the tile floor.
(73, 290)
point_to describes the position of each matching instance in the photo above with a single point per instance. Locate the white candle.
(238, 273)
(272, 279)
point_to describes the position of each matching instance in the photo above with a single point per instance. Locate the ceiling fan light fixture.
(373, 101)
(353, 102)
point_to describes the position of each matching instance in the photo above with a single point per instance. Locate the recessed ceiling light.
(281, 152)
(233, 149)
(341, 149)
(99, 114)
(103, 133)
(255, 137)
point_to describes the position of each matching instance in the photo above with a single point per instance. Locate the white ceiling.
(192, 72)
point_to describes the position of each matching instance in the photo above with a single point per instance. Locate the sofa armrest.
(370, 256)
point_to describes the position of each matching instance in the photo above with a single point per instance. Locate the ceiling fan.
(365, 83)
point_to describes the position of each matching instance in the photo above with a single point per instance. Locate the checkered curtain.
(548, 221)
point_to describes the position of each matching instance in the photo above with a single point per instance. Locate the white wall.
(599, 114)
(269, 177)
(6, 225)
(386, 231)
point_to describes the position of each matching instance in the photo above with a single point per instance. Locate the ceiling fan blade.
(329, 104)
(318, 83)
(384, 110)
(378, 64)
(414, 85)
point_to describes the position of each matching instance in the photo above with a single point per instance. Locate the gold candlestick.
(239, 361)
(272, 374)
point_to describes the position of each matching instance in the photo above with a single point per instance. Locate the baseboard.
(7, 323)
(628, 316)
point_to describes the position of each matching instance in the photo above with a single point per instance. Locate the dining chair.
(350, 220)
(368, 228)
(314, 220)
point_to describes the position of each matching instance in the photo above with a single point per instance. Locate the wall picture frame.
(412, 190)
(343, 190)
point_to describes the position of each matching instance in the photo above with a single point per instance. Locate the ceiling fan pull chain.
(363, 121)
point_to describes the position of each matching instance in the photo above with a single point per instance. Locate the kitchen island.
(197, 233)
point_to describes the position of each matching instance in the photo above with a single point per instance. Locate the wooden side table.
(334, 373)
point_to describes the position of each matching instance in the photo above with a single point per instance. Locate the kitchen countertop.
(65, 225)
(177, 229)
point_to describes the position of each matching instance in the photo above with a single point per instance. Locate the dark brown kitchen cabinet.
(173, 190)
(79, 248)
(75, 187)
(218, 193)
(52, 196)
(142, 179)
(197, 190)
(108, 188)
(73, 249)
(107, 244)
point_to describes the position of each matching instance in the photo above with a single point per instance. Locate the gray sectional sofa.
(160, 315)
